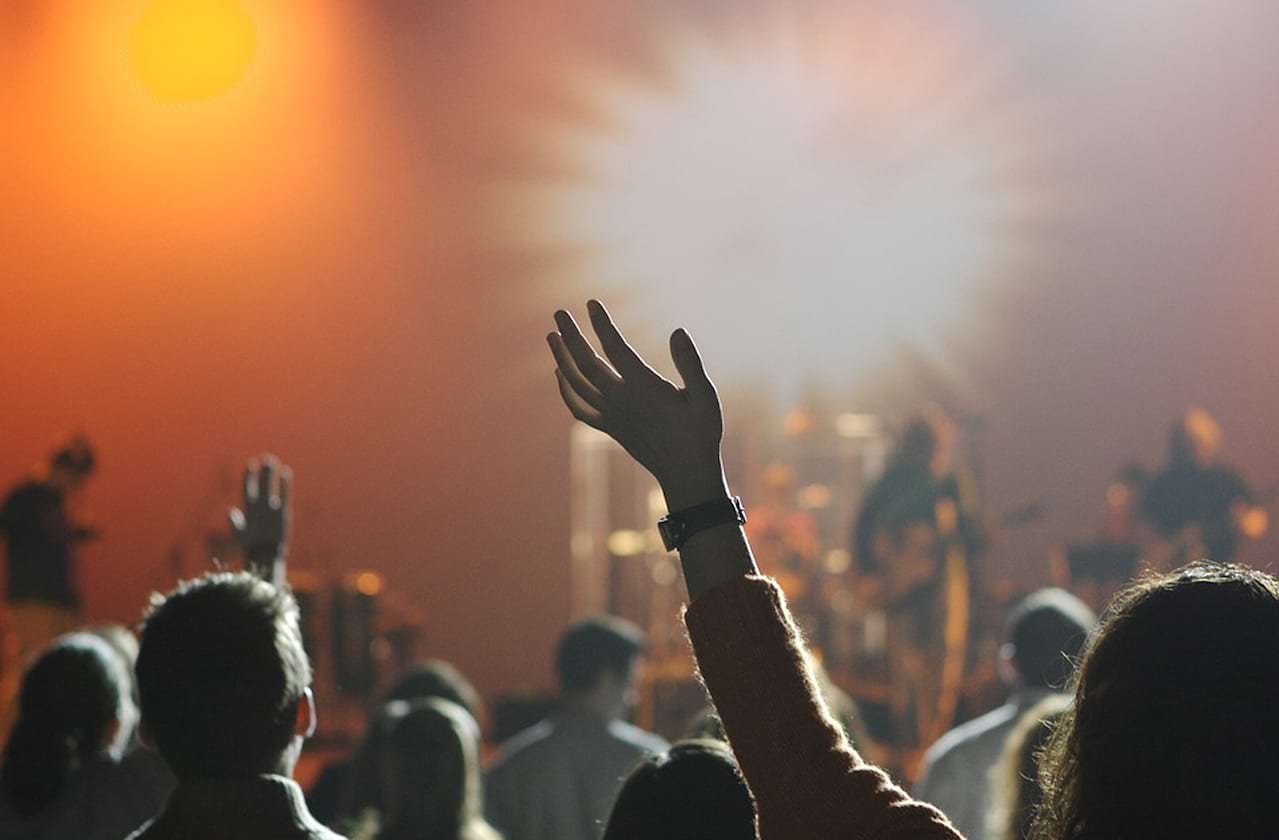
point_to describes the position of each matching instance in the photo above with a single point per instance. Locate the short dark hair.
(592, 648)
(693, 792)
(435, 678)
(221, 672)
(1047, 630)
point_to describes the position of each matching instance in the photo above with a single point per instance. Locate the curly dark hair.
(1175, 723)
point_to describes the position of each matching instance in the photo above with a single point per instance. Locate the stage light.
(837, 561)
(815, 497)
(625, 543)
(805, 196)
(368, 583)
(192, 50)
(857, 426)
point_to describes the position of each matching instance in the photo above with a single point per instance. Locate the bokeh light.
(192, 50)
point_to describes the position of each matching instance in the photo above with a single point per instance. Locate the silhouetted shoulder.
(990, 725)
(523, 746)
(642, 740)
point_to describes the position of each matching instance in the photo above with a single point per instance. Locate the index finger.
(266, 480)
(595, 369)
(251, 484)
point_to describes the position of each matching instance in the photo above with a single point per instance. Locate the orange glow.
(368, 583)
(192, 50)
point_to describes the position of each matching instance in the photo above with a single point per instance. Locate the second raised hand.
(673, 432)
(261, 525)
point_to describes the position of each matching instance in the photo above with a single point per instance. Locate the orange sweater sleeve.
(807, 780)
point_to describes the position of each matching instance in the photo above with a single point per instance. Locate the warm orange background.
(303, 266)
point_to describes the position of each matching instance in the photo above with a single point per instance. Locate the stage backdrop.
(342, 243)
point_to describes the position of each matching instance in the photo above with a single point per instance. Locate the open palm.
(674, 432)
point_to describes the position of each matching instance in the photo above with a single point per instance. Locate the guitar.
(927, 601)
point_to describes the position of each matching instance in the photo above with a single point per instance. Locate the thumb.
(689, 364)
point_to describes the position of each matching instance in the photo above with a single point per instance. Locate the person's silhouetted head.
(430, 680)
(1195, 439)
(74, 704)
(72, 464)
(436, 678)
(431, 773)
(928, 440)
(918, 441)
(1175, 724)
(595, 663)
(694, 791)
(223, 678)
(1043, 636)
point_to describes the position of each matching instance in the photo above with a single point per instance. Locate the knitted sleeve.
(807, 780)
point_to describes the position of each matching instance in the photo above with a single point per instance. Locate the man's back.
(558, 780)
(956, 775)
(263, 807)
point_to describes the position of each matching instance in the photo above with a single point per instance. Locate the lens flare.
(806, 195)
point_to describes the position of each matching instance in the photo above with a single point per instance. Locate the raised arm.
(262, 524)
(807, 780)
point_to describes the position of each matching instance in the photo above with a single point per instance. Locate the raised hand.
(261, 525)
(674, 432)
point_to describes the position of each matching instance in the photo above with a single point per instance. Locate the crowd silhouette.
(1157, 720)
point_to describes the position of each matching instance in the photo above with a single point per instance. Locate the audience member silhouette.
(558, 779)
(1042, 636)
(62, 775)
(1015, 793)
(694, 791)
(1169, 730)
(1175, 728)
(226, 698)
(346, 788)
(430, 782)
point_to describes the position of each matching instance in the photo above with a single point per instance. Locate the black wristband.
(676, 528)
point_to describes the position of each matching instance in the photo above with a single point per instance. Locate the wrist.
(694, 487)
(264, 552)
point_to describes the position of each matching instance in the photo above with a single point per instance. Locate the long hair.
(1175, 723)
(1015, 794)
(431, 774)
(71, 695)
